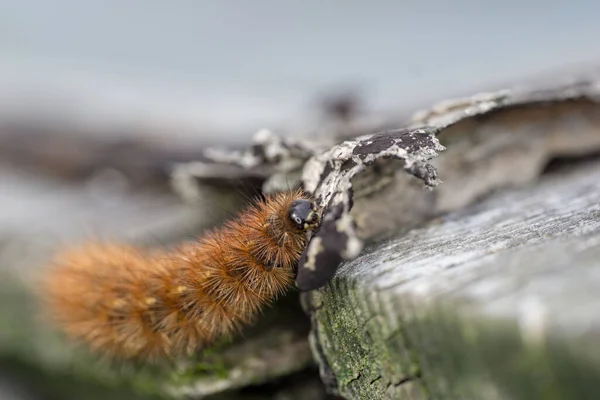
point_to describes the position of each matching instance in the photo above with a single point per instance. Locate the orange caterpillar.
(128, 304)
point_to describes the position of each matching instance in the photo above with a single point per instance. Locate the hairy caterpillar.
(128, 304)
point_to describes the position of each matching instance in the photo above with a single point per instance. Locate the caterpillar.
(126, 303)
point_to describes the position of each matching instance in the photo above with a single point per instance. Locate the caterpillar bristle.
(126, 303)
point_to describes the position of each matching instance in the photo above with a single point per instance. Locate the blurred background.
(97, 97)
(225, 68)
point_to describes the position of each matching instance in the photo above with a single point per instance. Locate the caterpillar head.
(303, 215)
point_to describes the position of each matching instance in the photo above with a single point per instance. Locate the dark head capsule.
(302, 213)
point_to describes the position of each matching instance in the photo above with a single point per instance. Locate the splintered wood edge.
(507, 149)
(473, 305)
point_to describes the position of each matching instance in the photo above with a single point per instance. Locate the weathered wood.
(493, 141)
(496, 301)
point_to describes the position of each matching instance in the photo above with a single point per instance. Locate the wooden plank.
(496, 301)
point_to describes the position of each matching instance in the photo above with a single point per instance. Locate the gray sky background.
(230, 65)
